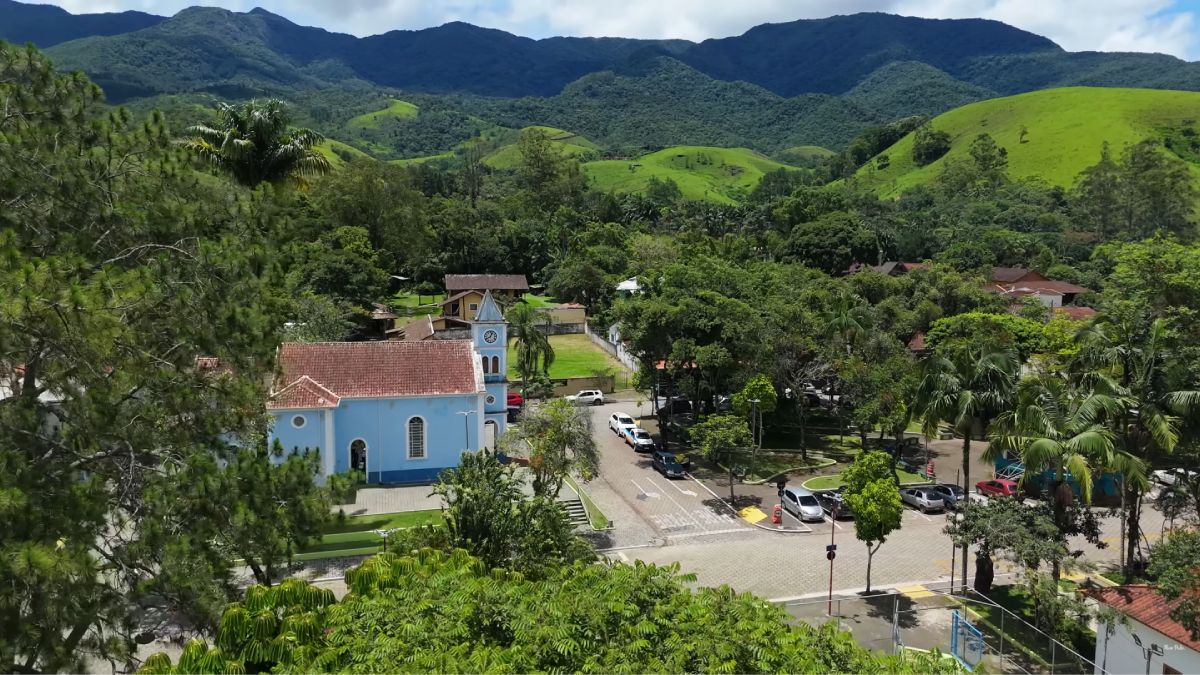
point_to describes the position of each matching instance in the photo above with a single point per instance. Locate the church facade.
(398, 411)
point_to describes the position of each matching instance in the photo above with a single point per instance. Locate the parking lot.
(675, 509)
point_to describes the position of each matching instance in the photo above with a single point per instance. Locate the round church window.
(298, 421)
(491, 399)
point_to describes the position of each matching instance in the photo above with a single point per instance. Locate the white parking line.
(624, 558)
(681, 490)
(833, 522)
(677, 504)
(653, 495)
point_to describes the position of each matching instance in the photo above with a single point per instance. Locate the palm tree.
(253, 143)
(535, 354)
(961, 385)
(848, 319)
(1134, 352)
(1059, 428)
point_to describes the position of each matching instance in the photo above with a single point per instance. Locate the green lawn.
(770, 464)
(843, 449)
(539, 301)
(835, 480)
(1016, 600)
(415, 306)
(399, 109)
(356, 535)
(574, 356)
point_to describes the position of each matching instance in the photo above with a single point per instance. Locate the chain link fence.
(923, 619)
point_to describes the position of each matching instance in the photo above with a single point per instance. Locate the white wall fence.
(614, 347)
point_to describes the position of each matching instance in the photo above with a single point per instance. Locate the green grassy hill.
(723, 175)
(804, 155)
(338, 152)
(569, 143)
(397, 108)
(1065, 129)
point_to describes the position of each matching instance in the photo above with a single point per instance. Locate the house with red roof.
(400, 411)
(1150, 641)
(1019, 282)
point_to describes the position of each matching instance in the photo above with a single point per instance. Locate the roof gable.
(489, 311)
(304, 393)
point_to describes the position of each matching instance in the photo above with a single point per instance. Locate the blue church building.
(399, 411)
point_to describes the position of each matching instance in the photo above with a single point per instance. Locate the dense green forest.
(803, 83)
(144, 243)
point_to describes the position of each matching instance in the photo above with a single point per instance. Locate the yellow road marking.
(916, 592)
(752, 514)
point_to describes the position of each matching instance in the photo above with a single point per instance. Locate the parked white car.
(620, 422)
(587, 397)
(639, 439)
(924, 499)
(1169, 477)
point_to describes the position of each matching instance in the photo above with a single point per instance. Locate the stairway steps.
(575, 511)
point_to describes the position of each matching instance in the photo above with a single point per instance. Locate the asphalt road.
(673, 509)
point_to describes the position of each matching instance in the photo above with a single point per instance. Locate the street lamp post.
(1148, 652)
(466, 415)
(754, 431)
(831, 553)
(384, 535)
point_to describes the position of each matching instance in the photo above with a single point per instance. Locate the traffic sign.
(830, 556)
(831, 547)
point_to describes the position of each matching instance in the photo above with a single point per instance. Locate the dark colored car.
(951, 494)
(832, 501)
(999, 487)
(666, 464)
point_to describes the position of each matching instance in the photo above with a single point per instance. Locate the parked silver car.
(924, 499)
(951, 494)
(802, 504)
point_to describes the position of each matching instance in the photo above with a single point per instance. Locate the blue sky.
(1167, 26)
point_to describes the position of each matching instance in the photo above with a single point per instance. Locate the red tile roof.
(304, 393)
(917, 343)
(375, 370)
(210, 364)
(417, 330)
(1142, 603)
(1010, 274)
(482, 282)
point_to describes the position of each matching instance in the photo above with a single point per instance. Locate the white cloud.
(1107, 25)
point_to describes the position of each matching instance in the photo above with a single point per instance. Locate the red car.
(515, 400)
(1000, 487)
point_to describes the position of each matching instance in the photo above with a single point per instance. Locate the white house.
(1153, 642)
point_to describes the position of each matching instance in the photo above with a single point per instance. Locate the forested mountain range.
(809, 82)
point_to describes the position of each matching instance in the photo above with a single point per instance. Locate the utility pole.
(831, 553)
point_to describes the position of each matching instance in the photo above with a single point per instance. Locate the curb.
(739, 516)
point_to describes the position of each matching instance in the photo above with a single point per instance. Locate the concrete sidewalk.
(371, 501)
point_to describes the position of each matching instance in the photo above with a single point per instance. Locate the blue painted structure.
(1103, 485)
(396, 437)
